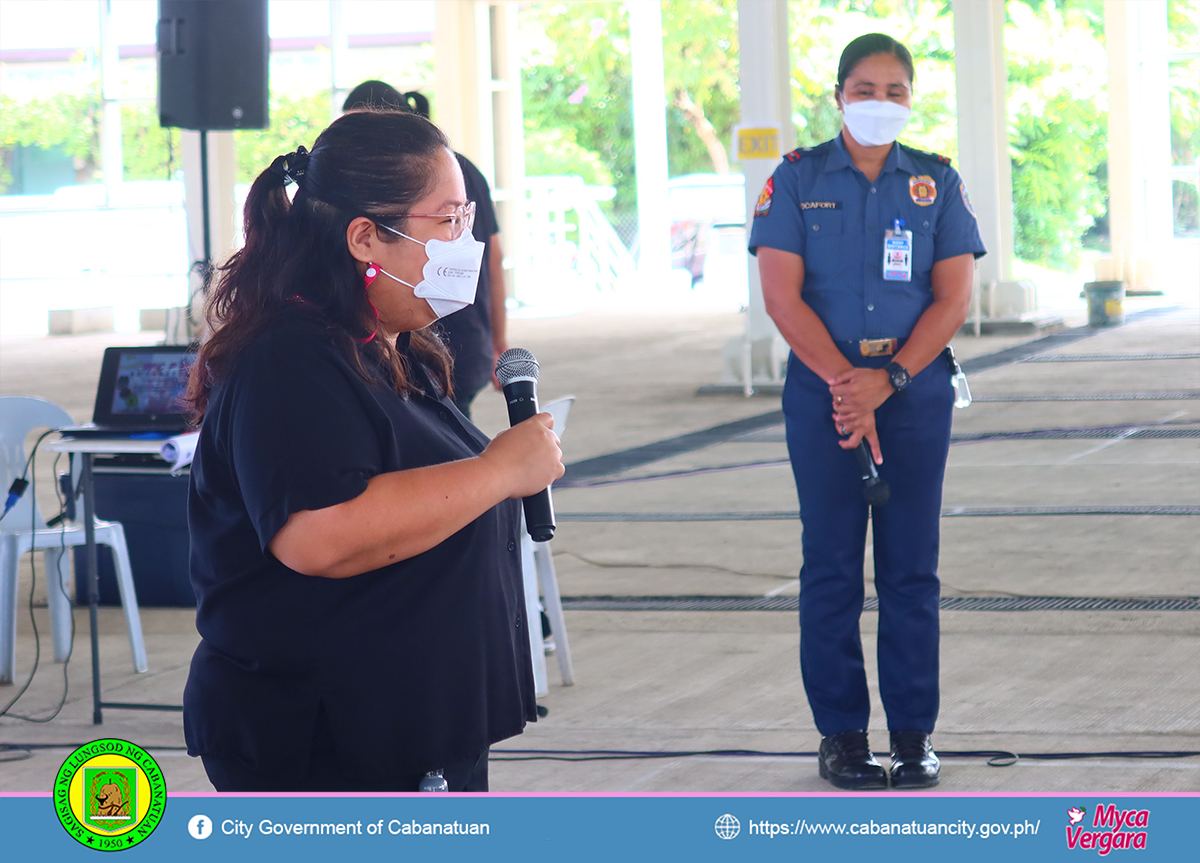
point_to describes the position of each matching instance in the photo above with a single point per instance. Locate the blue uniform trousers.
(914, 436)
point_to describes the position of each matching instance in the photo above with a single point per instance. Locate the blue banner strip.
(656, 828)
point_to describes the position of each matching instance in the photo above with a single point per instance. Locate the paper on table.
(180, 450)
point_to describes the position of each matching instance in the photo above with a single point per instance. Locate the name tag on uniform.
(897, 253)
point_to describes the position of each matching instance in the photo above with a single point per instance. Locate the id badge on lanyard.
(897, 253)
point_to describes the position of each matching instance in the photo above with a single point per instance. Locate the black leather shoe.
(846, 761)
(914, 763)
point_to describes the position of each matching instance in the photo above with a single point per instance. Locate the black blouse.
(420, 664)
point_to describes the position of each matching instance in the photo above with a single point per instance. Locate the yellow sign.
(758, 143)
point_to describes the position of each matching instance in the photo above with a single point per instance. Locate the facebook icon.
(200, 826)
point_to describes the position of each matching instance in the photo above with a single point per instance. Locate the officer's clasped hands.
(856, 394)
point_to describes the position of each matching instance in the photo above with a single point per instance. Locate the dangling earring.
(369, 276)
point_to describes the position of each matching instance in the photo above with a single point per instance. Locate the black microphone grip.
(876, 491)
(521, 396)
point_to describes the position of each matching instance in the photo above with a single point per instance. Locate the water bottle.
(433, 781)
(958, 380)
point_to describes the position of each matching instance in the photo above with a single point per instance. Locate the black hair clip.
(291, 167)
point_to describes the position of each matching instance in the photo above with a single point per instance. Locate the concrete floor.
(1039, 681)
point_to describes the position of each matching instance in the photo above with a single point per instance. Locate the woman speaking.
(355, 548)
(866, 250)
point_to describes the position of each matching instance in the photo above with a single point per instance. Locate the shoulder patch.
(966, 199)
(763, 207)
(795, 155)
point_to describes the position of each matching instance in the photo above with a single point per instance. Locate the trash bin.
(1106, 303)
(152, 507)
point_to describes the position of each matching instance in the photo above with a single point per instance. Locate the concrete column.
(1139, 142)
(339, 49)
(222, 175)
(508, 192)
(650, 135)
(111, 150)
(983, 159)
(764, 78)
(463, 79)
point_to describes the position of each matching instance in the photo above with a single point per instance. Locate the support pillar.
(764, 78)
(463, 80)
(111, 151)
(508, 191)
(983, 159)
(339, 50)
(1139, 140)
(650, 137)
(222, 210)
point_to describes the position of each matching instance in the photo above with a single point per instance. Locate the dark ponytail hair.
(417, 103)
(375, 164)
(377, 95)
(868, 46)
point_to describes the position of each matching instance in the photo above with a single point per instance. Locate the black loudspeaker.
(212, 64)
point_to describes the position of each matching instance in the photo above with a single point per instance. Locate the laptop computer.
(140, 393)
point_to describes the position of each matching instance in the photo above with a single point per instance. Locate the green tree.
(295, 121)
(69, 122)
(700, 64)
(148, 151)
(555, 152)
(576, 86)
(1058, 130)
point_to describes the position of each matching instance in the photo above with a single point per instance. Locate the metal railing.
(566, 231)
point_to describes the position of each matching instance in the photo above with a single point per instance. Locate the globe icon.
(727, 826)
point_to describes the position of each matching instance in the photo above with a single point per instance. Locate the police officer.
(866, 250)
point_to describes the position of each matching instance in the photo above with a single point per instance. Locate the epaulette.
(945, 160)
(799, 152)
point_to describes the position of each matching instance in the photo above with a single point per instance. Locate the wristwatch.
(899, 376)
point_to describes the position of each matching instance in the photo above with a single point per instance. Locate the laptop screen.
(144, 387)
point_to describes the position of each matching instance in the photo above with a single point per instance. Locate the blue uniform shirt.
(818, 205)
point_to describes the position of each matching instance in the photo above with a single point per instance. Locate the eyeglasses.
(460, 221)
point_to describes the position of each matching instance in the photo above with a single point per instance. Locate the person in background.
(477, 335)
(867, 252)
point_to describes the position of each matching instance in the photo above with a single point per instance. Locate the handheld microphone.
(875, 491)
(517, 371)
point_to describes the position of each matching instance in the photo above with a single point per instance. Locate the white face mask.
(874, 123)
(451, 273)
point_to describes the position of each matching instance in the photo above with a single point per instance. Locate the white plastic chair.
(538, 568)
(24, 530)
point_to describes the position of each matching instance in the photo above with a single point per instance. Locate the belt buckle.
(877, 347)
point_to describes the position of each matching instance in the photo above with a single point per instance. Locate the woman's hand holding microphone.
(527, 455)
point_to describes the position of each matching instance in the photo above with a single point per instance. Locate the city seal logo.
(109, 794)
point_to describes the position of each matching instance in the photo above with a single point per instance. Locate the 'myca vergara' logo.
(1112, 829)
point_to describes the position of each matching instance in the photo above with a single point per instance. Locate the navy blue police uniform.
(330, 684)
(821, 207)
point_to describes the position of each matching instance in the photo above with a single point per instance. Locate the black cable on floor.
(995, 757)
